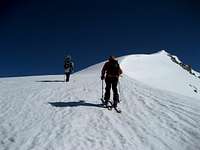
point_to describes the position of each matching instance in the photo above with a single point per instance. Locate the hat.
(68, 57)
(111, 58)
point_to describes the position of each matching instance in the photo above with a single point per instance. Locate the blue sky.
(35, 34)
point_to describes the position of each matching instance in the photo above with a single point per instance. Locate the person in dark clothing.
(68, 67)
(111, 72)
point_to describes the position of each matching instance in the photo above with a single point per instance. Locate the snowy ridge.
(43, 112)
(159, 71)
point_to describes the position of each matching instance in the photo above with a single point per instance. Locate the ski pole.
(102, 88)
(119, 85)
(119, 89)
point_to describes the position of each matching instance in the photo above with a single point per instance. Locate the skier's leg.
(115, 92)
(67, 77)
(107, 92)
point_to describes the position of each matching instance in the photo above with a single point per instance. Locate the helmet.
(68, 57)
(111, 58)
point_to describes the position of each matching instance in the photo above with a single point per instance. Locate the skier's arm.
(72, 67)
(120, 71)
(103, 71)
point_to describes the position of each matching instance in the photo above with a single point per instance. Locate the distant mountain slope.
(45, 113)
(159, 71)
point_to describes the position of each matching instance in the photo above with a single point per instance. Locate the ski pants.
(111, 82)
(67, 76)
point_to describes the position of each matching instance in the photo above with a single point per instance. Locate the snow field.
(45, 113)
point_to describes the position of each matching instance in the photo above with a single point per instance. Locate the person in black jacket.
(111, 72)
(68, 67)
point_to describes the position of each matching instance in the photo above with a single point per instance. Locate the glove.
(102, 77)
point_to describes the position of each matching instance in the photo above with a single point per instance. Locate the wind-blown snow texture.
(43, 112)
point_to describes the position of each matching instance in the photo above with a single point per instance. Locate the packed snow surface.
(45, 113)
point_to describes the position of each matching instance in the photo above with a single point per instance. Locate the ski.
(117, 110)
(110, 106)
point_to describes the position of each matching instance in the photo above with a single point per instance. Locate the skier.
(113, 71)
(68, 67)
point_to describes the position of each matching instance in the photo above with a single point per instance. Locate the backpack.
(67, 65)
(113, 68)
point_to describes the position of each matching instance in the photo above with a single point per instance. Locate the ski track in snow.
(44, 113)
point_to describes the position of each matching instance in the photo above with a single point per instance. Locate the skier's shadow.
(51, 81)
(74, 104)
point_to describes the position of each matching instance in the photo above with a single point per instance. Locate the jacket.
(111, 69)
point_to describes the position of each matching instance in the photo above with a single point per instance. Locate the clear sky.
(35, 34)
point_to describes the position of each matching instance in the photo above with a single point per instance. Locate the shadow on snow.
(51, 81)
(74, 104)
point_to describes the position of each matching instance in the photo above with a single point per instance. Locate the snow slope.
(159, 71)
(45, 113)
